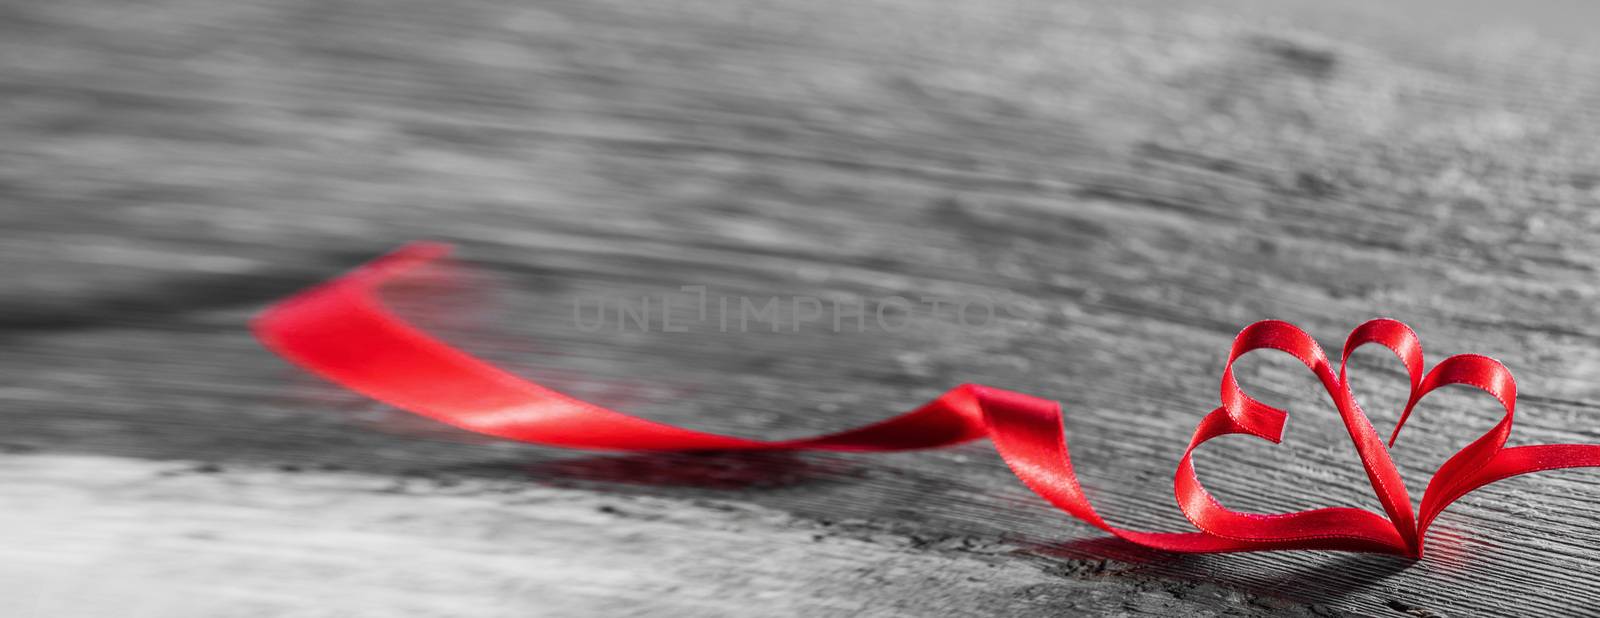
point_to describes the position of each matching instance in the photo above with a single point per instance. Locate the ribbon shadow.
(1323, 578)
(715, 470)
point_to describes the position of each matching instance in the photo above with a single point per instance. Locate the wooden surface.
(1144, 180)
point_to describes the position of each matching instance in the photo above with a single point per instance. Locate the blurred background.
(1140, 179)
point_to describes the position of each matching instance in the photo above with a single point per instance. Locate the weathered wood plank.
(1148, 182)
(173, 539)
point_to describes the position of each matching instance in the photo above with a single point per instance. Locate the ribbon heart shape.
(1345, 528)
(342, 331)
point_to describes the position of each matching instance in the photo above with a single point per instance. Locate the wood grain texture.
(1143, 180)
(168, 539)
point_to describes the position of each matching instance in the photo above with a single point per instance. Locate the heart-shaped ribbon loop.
(341, 331)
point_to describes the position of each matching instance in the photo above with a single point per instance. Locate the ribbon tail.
(1512, 462)
(341, 331)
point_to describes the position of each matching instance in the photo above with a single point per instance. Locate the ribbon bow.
(341, 331)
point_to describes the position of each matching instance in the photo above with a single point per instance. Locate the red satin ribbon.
(341, 331)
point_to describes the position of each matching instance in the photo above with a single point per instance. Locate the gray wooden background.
(1144, 178)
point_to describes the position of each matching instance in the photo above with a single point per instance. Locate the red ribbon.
(341, 331)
